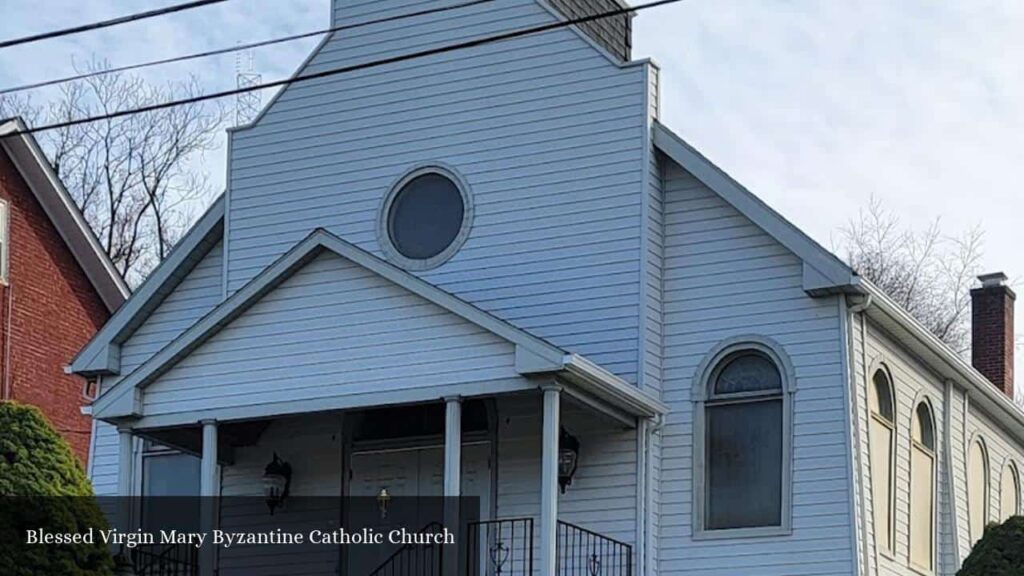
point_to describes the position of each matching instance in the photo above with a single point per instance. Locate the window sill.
(887, 554)
(727, 534)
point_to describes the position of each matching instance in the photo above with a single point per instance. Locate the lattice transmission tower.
(247, 104)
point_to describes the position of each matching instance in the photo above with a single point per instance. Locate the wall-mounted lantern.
(277, 480)
(568, 458)
(383, 500)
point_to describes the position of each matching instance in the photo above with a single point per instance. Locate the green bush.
(43, 486)
(1000, 552)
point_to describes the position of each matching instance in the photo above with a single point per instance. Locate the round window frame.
(384, 240)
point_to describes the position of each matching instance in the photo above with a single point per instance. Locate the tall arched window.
(745, 443)
(1009, 492)
(883, 441)
(977, 488)
(922, 488)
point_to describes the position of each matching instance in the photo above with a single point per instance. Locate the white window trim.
(986, 497)
(1009, 467)
(391, 252)
(5, 237)
(889, 550)
(699, 397)
(923, 398)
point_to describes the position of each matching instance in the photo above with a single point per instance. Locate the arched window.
(883, 441)
(922, 488)
(1009, 492)
(977, 488)
(745, 443)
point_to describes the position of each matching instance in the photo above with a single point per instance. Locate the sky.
(817, 106)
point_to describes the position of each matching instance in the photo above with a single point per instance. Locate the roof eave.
(946, 361)
(60, 208)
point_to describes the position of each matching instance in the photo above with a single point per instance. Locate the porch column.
(452, 475)
(453, 446)
(125, 476)
(208, 490)
(549, 480)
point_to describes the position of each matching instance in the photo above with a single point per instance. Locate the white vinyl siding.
(724, 277)
(547, 132)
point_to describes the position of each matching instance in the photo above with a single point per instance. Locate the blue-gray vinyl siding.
(333, 329)
(198, 293)
(724, 277)
(547, 131)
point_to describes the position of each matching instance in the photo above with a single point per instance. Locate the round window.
(424, 219)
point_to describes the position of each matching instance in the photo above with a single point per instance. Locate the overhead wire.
(238, 48)
(108, 23)
(351, 68)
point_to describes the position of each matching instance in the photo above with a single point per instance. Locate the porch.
(502, 450)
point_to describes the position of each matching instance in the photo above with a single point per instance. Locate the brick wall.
(48, 311)
(992, 335)
(613, 33)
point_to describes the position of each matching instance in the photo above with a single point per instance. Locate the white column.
(208, 465)
(453, 446)
(208, 489)
(125, 476)
(452, 475)
(549, 480)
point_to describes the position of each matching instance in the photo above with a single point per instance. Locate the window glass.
(170, 474)
(882, 435)
(747, 372)
(744, 465)
(881, 396)
(977, 489)
(1009, 493)
(425, 216)
(744, 444)
(922, 490)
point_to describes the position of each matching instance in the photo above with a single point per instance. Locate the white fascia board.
(609, 387)
(102, 355)
(532, 353)
(823, 271)
(63, 213)
(949, 364)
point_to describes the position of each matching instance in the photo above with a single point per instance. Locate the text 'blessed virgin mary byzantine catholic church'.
(478, 271)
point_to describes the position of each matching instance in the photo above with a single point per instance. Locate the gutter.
(604, 384)
(972, 378)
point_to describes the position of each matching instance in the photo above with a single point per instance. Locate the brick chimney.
(992, 330)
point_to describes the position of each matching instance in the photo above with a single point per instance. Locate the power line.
(352, 68)
(108, 23)
(239, 47)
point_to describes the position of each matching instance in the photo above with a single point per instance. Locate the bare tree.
(927, 272)
(135, 177)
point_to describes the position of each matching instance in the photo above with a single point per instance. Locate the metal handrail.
(583, 552)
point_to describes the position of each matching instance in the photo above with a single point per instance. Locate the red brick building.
(57, 288)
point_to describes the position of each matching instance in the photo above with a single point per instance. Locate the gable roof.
(102, 355)
(824, 273)
(532, 354)
(30, 161)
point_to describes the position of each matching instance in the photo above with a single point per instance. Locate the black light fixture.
(277, 480)
(568, 458)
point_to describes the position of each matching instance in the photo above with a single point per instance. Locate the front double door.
(404, 473)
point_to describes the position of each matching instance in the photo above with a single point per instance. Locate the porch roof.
(532, 356)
